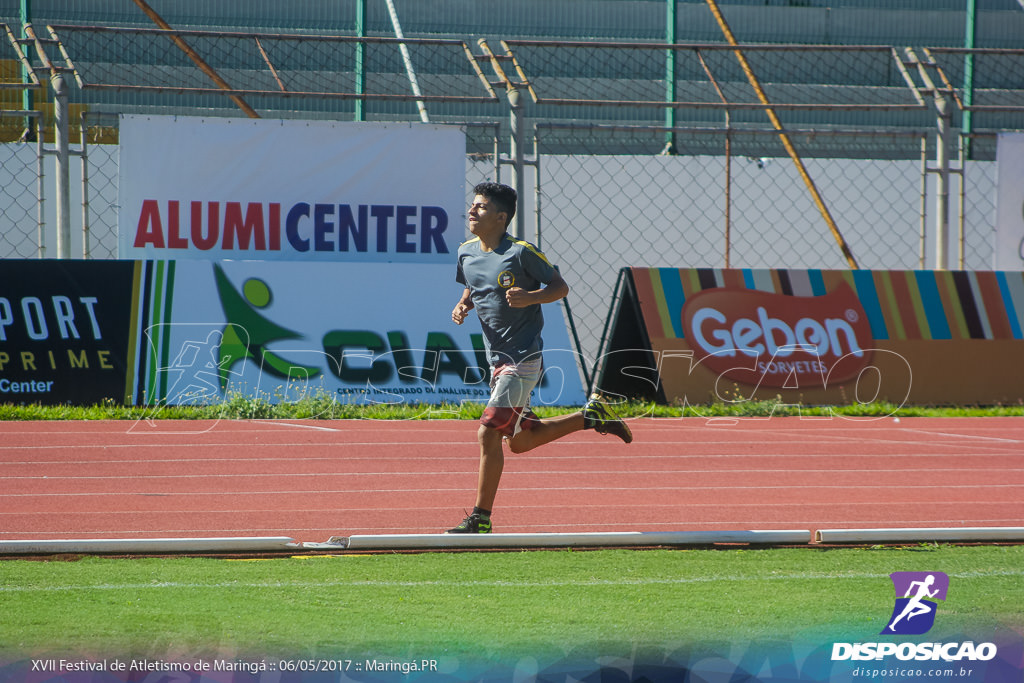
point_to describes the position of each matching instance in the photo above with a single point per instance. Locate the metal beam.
(670, 78)
(196, 59)
(360, 66)
(407, 59)
(943, 128)
(777, 124)
(970, 35)
(27, 76)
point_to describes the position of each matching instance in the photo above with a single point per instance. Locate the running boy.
(506, 281)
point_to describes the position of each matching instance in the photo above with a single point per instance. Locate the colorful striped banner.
(900, 305)
(826, 336)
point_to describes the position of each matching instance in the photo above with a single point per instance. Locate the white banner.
(364, 333)
(1009, 246)
(219, 188)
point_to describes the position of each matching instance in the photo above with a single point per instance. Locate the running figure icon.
(915, 607)
(916, 593)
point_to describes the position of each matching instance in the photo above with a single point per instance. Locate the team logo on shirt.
(506, 279)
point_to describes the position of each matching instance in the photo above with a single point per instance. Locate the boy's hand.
(460, 312)
(517, 297)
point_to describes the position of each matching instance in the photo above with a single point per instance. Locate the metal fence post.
(516, 154)
(970, 36)
(60, 125)
(670, 78)
(537, 194)
(943, 125)
(27, 96)
(86, 252)
(516, 133)
(40, 192)
(942, 185)
(360, 65)
(923, 242)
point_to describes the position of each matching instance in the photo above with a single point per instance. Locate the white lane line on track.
(690, 445)
(657, 525)
(512, 472)
(296, 531)
(237, 444)
(957, 523)
(535, 489)
(1001, 439)
(306, 425)
(545, 457)
(528, 489)
(557, 458)
(932, 438)
(847, 428)
(641, 505)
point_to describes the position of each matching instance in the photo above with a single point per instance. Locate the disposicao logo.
(779, 340)
(914, 614)
(916, 593)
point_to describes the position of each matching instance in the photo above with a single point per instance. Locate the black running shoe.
(474, 524)
(597, 415)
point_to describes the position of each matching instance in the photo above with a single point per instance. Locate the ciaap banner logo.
(778, 340)
(290, 330)
(916, 595)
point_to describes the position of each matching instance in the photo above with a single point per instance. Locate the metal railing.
(265, 65)
(624, 153)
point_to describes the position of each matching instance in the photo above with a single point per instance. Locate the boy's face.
(484, 218)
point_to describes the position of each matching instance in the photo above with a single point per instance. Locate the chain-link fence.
(21, 166)
(977, 205)
(826, 85)
(99, 185)
(21, 190)
(713, 210)
(643, 154)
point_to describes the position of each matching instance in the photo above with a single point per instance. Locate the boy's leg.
(545, 431)
(510, 394)
(596, 415)
(492, 462)
(507, 407)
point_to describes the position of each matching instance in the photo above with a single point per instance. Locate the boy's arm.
(462, 308)
(555, 290)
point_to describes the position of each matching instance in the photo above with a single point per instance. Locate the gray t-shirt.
(511, 335)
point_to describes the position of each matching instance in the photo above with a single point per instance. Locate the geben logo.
(777, 340)
(916, 595)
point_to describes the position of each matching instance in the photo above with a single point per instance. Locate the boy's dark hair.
(503, 196)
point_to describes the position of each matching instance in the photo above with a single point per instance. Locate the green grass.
(494, 606)
(326, 407)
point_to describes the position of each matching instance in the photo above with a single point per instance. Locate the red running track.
(310, 480)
